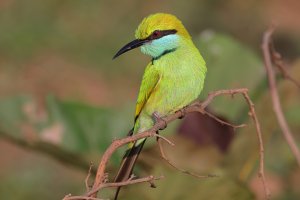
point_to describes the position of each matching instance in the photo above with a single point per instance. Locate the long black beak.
(131, 45)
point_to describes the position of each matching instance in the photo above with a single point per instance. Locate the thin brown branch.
(261, 173)
(86, 181)
(101, 177)
(275, 96)
(69, 197)
(280, 64)
(196, 107)
(88, 196)
(120, 142)
(163, 155)
(165, 139)
(150, 179)
(224, 122)
(244, 92)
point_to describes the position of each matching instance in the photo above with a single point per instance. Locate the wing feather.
(149, 83)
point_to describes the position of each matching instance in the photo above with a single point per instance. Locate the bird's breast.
(178, 86)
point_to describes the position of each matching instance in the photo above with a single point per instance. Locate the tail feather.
(127, 164)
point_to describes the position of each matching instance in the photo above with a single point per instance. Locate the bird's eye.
(156, 34)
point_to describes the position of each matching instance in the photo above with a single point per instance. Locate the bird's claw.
(158, 119)
(182, 113)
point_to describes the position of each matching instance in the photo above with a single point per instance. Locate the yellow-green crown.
(160, 21)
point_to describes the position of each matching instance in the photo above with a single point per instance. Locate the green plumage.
(170, 83)
(173, 79)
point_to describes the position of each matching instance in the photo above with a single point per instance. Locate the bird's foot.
(158, 119)
(182, 112)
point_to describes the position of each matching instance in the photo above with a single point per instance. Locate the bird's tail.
(128, 163)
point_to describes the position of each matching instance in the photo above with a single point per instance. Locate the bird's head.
(157, 34)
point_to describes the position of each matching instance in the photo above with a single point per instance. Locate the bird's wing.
(149, 83)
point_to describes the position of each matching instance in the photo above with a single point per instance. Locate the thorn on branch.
(250, 114)
(260, 175)
(132, 177)
(152, 185)
(87, 186)
(105, 178)
(67, 196)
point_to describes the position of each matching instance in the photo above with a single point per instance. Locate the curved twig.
(101, 177)
(275, 96)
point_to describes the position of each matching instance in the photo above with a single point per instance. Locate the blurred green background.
(63, 98)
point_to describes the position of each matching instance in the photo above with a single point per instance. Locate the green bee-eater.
(173, 79)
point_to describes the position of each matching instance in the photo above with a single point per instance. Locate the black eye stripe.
(158, 34)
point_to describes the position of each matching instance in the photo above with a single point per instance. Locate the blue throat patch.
(162, 46)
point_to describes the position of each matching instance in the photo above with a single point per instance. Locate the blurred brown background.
(63, 98)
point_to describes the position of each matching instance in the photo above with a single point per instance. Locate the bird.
(173, 78)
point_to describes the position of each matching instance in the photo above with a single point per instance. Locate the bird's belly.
(171, 95)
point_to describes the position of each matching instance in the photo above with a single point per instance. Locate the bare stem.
(101, 177)
(275, 96)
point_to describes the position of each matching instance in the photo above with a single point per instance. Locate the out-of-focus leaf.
(230, 64)
(75, 127)
(12, 114)
(85, 127)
